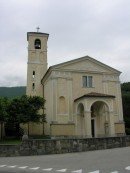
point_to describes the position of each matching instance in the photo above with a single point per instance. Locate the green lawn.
(14, 142)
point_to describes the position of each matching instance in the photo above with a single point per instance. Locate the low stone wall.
(9, 150)
(57, 146)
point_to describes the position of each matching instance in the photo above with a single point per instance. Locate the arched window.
(62, 105)
(37, 44)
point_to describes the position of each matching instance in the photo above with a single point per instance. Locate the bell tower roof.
(36, 34)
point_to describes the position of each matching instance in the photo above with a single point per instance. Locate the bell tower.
(37, 62)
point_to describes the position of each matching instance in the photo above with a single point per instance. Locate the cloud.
(97, 28)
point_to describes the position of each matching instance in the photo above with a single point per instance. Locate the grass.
(18, 141)
(11, 142)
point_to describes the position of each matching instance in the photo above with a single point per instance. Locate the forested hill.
(12, 92)
(125, 88)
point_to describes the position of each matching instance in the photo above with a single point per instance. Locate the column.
(88, 130)
(111, 124)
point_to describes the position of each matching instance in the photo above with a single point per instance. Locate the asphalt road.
(101, 161)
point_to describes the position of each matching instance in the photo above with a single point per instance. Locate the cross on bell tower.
(37, 28)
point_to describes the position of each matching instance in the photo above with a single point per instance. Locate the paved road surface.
(101, 161)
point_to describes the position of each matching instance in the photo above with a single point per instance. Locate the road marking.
(47, 169)
(1, 166)
(62, 170)
(127, 168)
(23, 167)
(12, 166)
(36, 168)
(77, 171)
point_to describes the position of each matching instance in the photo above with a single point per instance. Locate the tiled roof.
(94, 94)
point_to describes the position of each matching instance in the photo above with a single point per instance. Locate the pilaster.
(111, 124)
(54, 100)
(69, 88)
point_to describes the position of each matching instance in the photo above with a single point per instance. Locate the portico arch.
(80, 109)
(99, 118)
(80, 119)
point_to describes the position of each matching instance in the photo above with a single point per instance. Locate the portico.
(95, 115)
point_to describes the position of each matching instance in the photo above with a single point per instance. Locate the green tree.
(36, 110)
(14, 116)
(37, 103)
(4, 102)
(125, 88)
(24, 110)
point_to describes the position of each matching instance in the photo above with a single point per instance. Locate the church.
(83, 96)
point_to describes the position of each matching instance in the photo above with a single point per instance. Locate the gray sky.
(97, 28)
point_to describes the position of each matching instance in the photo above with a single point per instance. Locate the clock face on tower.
(37, 44)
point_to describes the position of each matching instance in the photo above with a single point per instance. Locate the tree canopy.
(22, 109)
(25, 109)
(4, 102)
(125, 88)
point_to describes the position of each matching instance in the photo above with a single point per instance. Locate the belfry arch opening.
(37, 44)
(99, 119)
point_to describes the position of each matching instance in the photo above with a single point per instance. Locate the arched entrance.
(80, 120)
(99, 119)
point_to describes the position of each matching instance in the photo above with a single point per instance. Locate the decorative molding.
(36, 62)
(37, 50)
(56, 123)
(63, 77)
(110, 78)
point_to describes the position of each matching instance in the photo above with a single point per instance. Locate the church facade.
(83, 96)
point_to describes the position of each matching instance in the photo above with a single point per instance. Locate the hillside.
(12, 92)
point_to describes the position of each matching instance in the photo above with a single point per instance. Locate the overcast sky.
(97, 28)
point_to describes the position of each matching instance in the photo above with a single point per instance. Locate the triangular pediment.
(85, 64)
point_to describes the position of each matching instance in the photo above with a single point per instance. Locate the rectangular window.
(87, 81)
(33, 75)
(33, 86)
